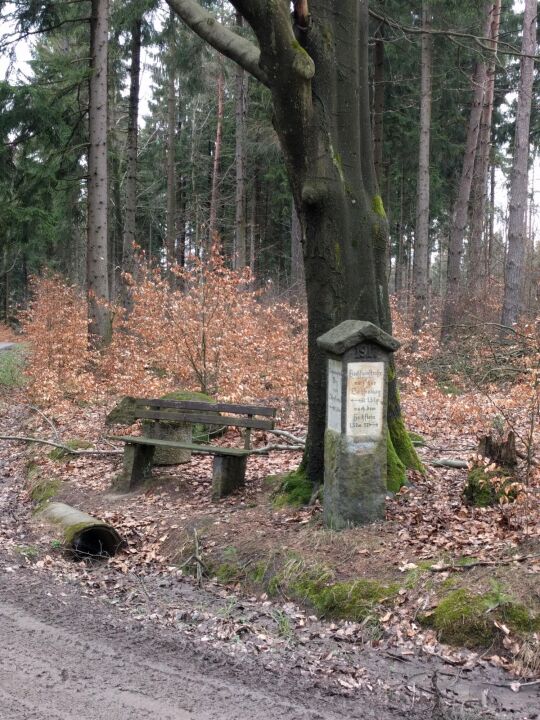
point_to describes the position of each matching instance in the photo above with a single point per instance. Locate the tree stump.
(501, 451)
(179, 432)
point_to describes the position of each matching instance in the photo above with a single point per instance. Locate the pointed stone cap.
(354, 332)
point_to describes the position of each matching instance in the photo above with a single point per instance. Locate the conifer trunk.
(514, 267)
(99, 326)
(170, 239)
(421, 240)
(214, 197)
(239, 255)
(129, 236)
(477, 261)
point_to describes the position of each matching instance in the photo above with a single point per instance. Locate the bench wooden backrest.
(207, 413)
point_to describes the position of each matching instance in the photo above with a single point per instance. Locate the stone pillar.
(355, 448)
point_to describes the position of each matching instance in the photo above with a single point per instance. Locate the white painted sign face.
(333, 399)
(365, 399)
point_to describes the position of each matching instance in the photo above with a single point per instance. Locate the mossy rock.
(468, 620)
(75, 444)
(294, 490)
(481, 490)
(123, 413)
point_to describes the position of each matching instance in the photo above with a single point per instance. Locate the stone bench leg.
(138, 461)
(229, 474)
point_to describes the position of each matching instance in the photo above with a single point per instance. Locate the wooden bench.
(229, 468)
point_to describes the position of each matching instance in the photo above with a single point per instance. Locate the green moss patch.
(396, 472)
(468, 620)
(44, 490)
(294, 490)
(352, 600)
(486, 487)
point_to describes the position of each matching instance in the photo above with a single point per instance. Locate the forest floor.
(245, 609)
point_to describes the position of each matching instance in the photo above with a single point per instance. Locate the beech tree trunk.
(316, 68)
(421, 240)
(378, 104)
(297, 253)
(99, 325)
(514, 267)
(130, 212)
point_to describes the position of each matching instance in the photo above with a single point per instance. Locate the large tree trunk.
(297, 254)
(378, 104)
(317, 72)
(239, 255)
(514, 267)
(99, 325)
(421, 240)
(129, 237)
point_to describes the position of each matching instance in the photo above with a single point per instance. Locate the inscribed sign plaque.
(333, 400)
(365, 399)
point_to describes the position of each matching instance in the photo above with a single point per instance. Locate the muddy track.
(65, 657)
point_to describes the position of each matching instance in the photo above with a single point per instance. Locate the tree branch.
(228, 43)
(66, 448)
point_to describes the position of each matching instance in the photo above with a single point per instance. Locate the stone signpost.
(356, 428)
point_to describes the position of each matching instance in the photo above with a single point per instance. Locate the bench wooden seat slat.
(216, 407)
(194, 447)
(205, 418)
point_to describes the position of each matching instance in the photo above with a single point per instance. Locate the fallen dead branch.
(449, 462)
(289, 436)
(439, 567)
(66, 448)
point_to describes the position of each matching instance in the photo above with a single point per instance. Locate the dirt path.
(65, 656)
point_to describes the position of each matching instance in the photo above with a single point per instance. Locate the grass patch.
(12, 368)
(28, 551)
(294, 490)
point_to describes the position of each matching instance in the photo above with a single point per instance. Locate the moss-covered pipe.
(83, 535)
